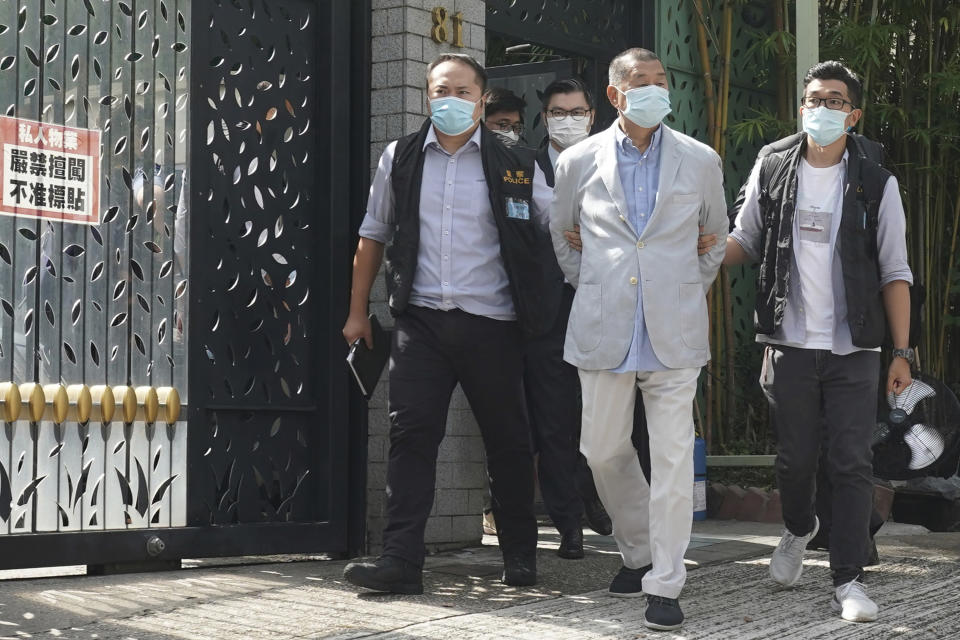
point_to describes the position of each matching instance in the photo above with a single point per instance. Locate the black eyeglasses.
(812, 102)
(576, 114)
(506, 125)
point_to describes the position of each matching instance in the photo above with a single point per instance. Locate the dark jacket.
(873, 150)
(857, 241)
(543, 160)
(524, 246)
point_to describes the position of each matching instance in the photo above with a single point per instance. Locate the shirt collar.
(432, 138)
(627, 144)
(844, 161)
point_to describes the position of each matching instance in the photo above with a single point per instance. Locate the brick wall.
(401, 50)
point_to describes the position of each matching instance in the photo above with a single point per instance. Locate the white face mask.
(568, 132)
(647, 105)
(508, 138)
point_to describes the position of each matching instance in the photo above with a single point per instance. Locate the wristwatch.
(906, 354)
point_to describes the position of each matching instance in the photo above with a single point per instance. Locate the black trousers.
(800, 385)
(552, 389)
(824, 502)
(432, 351)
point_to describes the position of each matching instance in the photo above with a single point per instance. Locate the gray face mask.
(509, 138)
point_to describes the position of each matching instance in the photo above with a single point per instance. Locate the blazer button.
(633, 281)
(640, 245)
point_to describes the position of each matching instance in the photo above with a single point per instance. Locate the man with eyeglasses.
(503, 115)
(827, 226)
(568, 117)
(550, 384)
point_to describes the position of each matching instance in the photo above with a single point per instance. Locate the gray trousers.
(802, 385)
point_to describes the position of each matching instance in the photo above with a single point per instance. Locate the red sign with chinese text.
(49, 171)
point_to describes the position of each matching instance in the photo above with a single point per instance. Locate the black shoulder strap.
(768, 169)
(410, 144)
(869, 148)
(543, 161)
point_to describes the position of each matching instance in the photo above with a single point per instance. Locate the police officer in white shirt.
(466, 216)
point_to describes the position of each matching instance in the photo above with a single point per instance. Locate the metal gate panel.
(97, 304)
(256, 384)
(600, 28)
(8, 227)
(263, 466)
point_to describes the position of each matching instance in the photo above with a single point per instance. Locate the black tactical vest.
(856, 242)
(525, 249)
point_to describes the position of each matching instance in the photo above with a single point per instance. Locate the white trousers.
(651, 523)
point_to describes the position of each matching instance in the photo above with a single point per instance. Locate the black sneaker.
(519, 571)
(386, 573)
(663, 614)
(597, 517)
(571, 545)
(628, 583)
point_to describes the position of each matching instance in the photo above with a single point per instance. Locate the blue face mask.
(452, 116)
(824, 126)
(647, 106)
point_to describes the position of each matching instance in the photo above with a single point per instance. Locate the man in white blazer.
(639, 192)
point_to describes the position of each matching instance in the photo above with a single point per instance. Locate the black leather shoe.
(519, 571)
(628, 583)
(386, 573)
(663, 614)
(597, 516)
(571, 544)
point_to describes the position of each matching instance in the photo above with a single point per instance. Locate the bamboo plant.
(907, 53)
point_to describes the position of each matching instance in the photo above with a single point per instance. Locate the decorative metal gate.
(170, 378)
(591, 32)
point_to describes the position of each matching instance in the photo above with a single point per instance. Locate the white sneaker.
(786, 565)
(853, 604)
(489, 524)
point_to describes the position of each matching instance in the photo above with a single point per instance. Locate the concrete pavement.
(728, 595)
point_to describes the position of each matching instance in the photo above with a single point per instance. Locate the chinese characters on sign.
(49, 171)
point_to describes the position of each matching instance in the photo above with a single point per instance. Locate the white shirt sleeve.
(542, 198)
(892, 236)
(748, 230)
(379, 222)
(564, 214)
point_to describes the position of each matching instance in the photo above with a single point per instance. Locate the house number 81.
(439, 32)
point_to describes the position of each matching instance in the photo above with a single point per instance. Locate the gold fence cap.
(10, 402)
(32, 393)
(101, 397)
(57, 403)
(127, 399)
(81, 403)
(170, 404)
(148, 404)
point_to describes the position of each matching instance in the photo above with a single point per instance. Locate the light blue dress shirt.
(459, 265)
(640, 178)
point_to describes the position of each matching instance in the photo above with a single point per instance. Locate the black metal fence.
(216, 274)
